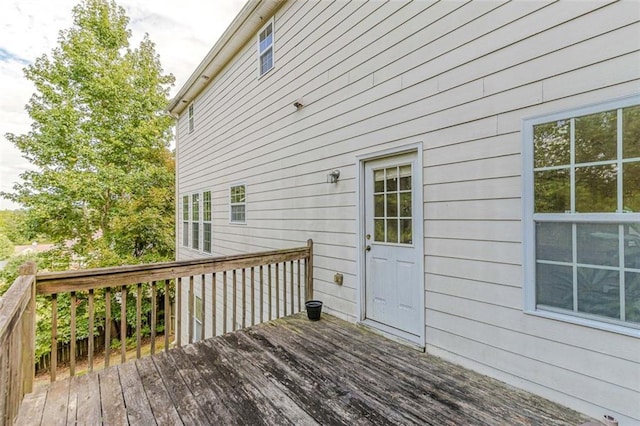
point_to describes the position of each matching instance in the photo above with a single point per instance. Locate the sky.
(184, 31)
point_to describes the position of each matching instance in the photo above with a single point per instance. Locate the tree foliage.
(6, 247)
(100, 141)
(103, 188)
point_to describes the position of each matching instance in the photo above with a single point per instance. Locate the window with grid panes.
(195, 221)
(393, 221)
(206, 221)
(237, 204)
(583, 220)
(185, 221)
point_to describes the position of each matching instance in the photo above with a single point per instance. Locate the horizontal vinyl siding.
(458, 78)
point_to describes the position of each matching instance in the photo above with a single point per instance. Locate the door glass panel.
(405, 177)
(392, 230)
(392, 200)
(406, 233)
(392, 179)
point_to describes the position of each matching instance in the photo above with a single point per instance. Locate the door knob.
(368, 248)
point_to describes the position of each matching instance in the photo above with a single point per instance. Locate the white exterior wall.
(460, 79)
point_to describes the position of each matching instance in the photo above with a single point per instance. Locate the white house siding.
(458, 78)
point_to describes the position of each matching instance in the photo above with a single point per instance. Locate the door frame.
(414, 148)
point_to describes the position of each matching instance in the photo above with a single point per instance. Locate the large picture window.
(582, 204)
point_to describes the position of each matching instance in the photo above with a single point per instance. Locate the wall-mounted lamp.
(333, 176)
(298, 104)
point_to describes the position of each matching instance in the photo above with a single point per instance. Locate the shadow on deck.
(290, 371)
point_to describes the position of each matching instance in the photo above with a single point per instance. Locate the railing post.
(309, 276)
(29, 332)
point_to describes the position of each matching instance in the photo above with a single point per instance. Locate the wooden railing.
(17, 343)
(234, 291)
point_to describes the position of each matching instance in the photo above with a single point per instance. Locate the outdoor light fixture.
(333, 176)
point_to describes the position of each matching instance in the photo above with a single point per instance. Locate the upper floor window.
(195, 221)
(191, 117)
(206, 221)
(237, 204)
(582, 174)
(185, 221)
(265, 48)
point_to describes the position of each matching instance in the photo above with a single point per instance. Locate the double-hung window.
(195, 221)
(265, 48)
(185, 221)
(237, 204)
(582, 215)
(206, 221)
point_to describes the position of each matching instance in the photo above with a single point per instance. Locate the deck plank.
(111, 398)
(163, 409)
(179, 392)
(87, 388)
(55, 406)
(138, 409)
(291, 371)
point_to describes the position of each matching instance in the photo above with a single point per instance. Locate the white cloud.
(183, 32)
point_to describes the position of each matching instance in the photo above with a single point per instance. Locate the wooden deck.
(290, 371)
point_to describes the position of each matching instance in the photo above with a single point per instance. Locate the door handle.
(367, 248)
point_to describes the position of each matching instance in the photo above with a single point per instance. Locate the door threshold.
(407, 339)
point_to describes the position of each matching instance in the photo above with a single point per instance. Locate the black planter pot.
(314, 308)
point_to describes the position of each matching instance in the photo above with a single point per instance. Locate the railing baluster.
(91, 328)
(284, 287)
(244, 298)
(54, 337)
(224, 302)
(214, 310)
(167, 314)
(72, 358)
(270, 297)
(153, 317)
(277, 290)
(253, 296)
(107, 326)
(178, 330)
(123, 325)
(299, 298)
(235, 300)
(190, 309)
(203, 292)
(293, 305)
(138, 321)
(261, 296)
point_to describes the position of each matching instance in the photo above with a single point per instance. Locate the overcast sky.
(183, 32)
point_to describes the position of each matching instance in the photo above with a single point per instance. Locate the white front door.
(394, 289)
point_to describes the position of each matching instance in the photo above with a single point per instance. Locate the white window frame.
(206, 222)
(190, 118)
(530, 218)
(186, 223)
(232, 204)
(195, 245)
(262, 52)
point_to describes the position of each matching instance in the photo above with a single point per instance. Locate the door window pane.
(392, 179)
(392, 205)
(378, 201)
(406, 231)
(378, 180)
(405, 177)
(392, 199)
(392, 230)
(378, 233)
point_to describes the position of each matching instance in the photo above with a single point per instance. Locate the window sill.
(585, 322)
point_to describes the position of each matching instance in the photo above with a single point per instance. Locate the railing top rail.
(58, 282)
(13, 304)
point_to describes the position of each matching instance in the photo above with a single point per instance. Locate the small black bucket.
(314, 308)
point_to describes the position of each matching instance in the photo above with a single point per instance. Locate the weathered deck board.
(291, 371)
